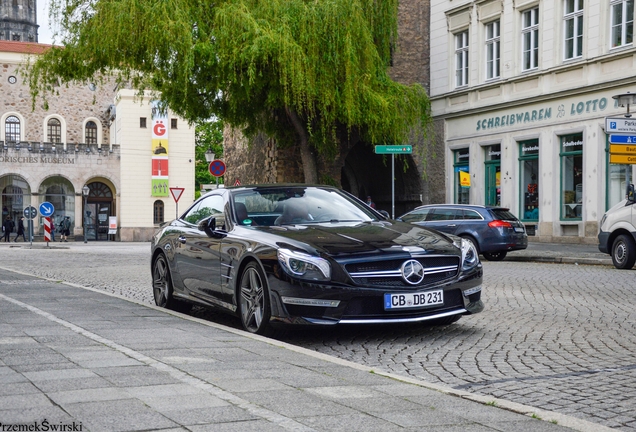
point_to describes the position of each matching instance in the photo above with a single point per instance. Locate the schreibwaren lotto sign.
(620, 125)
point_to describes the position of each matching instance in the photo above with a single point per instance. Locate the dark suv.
(493, 230)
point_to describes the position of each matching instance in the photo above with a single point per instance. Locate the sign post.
(393, 150)
(176, 194)
(30, 213)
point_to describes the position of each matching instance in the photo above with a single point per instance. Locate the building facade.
(521, 90)
(18, 20)
(122, 148)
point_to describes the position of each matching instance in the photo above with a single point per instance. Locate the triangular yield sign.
(176, 193)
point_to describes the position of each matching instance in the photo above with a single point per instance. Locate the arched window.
(12, 129)
(91, 133)
(158, 213)
(54, 131)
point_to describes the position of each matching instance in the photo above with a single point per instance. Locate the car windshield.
(297, 205)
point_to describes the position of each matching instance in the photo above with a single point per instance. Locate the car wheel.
(162, 287)
(624, 252)
(495, 256)
(254, 300)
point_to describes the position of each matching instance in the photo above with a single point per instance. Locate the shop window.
(91, 133)
(571, 176)
(54, 130)
(12, 129)
(529, 172)
(462, 176)
(158, 216)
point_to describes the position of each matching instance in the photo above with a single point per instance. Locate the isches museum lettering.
(37, 160)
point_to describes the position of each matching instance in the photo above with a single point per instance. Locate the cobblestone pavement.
(560, 337)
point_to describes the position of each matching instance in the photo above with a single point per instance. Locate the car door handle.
(182, 239)
(451, 225)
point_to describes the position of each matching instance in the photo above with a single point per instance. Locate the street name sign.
(393, 149)
(624, 125)
(623, 149)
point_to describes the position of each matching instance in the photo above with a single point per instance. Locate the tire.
(254, 309)
(162, 287)
(624, 252)
(495, 256)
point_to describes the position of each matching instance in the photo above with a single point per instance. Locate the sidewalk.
(80, 359)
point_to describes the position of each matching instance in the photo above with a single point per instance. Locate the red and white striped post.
(47, 229)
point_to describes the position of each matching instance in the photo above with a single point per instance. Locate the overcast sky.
(45, 34)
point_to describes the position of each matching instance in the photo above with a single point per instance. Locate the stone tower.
(18, 20)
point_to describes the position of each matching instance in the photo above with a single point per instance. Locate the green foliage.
(253, 64)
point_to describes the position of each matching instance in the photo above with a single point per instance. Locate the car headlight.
(304, 266)
(470, 257)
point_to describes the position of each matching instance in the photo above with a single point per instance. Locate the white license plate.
(413, 300)
(519, 230)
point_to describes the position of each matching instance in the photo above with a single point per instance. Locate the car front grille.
(388, 273)
(367, 308)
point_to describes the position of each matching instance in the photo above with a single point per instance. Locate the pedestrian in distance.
(8, 226)
(65, 229)
(52, 230)
(20, 230)
(370, 202)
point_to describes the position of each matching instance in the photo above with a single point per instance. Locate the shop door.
(97, 220)
(493, 183)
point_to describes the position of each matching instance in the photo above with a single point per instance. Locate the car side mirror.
(208, 225)
(385, 214)
(630, 193)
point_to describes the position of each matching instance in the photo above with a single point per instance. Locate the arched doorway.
(98, 209)
(16, 196)
(60, 192)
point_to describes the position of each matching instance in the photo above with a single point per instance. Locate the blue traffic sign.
(622, 139)
(46, 209)
(217, 168)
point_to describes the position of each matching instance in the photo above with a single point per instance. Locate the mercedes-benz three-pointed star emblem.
(413, 272)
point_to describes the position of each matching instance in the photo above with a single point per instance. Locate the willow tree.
(309, 73)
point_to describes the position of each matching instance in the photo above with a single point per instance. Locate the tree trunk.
(307, 154)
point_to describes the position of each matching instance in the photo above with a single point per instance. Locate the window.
(573, 28)
(173, 123)
(462, 176)
(142, 122)
(622, 13)
(461, 59)
(54, 131)
(91, 133)
(529, 175)
(492, 50)
(12, 129)
(416, 215)
(158, 212)
(208, 206)
(571, 176)
(492, 175)
(530, 38)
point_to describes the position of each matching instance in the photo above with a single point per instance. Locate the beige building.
(522, 90)
(129, 156)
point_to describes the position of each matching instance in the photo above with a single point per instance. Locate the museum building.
(100, 155)
(522, 90)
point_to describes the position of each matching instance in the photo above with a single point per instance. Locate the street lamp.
(85, 191)
(626, 99)
(209, 155)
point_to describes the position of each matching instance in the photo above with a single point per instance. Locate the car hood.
(358, 238)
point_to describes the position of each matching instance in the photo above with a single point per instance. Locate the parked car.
(617, 234)
(298, 254)
(493, 230)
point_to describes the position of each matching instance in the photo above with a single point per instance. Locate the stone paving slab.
(179, 391)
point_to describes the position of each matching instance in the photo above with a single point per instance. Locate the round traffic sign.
(217, 168)
(46, 209)
(30, 212)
